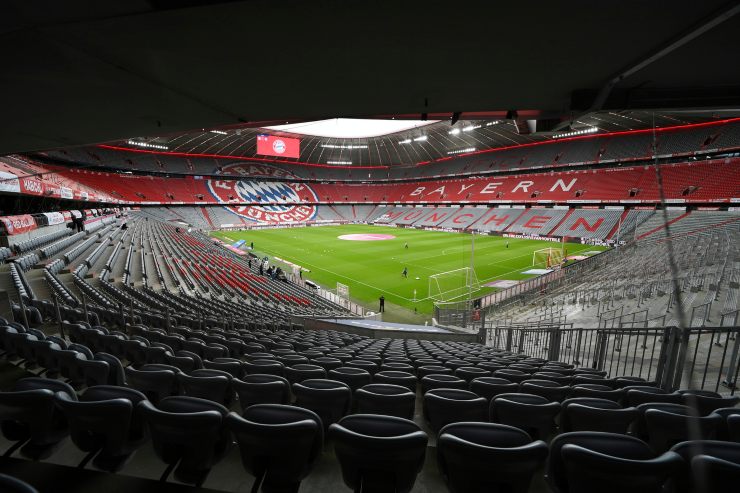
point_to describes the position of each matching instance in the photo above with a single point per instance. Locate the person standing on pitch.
(405, 272)
(406, 245)
(382, 303)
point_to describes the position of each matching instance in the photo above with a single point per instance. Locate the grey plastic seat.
(444, 406)
(326, 362)
(354, 378)
(263, 366)
(706, 402)
(478, 457)
(103, 422)
(261, 389)
(665, 429)
(379, 453)
(385, 399)
(329, 399)
(402, 378)
(591, 414)
(532, 413)
(369, 366)
(279, 444)
(29, 417)
(441, 381)
(512, 375)
(302, 371)
(639, 426)
(591, 470)
(468, 373)
(552, 391)
(116, 374)
(490, 387)
(611, 462)
(706, 477)
(188, 433)
(154, 384)
(216, 388)
(635, 397)
(231, 366)
(597, 392)
(423, 371)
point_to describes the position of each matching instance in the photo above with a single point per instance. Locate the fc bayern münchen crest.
(288, 201)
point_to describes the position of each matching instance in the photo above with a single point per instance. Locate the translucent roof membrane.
(351, 128)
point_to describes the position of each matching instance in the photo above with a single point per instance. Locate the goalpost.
(547, 257)
(453, 284)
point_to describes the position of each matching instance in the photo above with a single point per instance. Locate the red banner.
(270, 145)
(31, 186)
(18, 224)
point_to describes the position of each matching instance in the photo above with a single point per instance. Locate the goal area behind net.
(547, 257)
(453, 285)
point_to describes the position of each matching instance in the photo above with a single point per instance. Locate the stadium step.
(618, 225)
(565, 218)
(662, 226)
(207, 216)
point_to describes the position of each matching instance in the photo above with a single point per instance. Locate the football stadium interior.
(251, 246)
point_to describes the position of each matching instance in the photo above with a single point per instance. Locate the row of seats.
(706, 180)
(39, 241)
(58, 246)
(473, 392)
(279, 444)
(274, 352)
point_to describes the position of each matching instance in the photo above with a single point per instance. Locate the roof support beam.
(693, 33)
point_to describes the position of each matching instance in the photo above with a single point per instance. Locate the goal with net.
(547, 257)
(453, 284)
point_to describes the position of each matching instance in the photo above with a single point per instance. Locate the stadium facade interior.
(517, 281)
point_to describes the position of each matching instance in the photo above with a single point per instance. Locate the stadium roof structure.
(413, 142)
(80, 73)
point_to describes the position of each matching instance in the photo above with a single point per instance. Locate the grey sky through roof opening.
(351, 128)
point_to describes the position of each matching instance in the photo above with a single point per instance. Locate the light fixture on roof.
(421, 138)
(147, 145)
(462, 151)
(575, 133)
(470, 127)
(341, 146)
(454, 131)
(495, 122)
(339, 162)
(219, 132)
(407, 141)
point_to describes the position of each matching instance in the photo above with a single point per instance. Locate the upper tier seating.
(556, 153)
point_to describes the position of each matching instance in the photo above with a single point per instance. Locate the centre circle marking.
(366, 237)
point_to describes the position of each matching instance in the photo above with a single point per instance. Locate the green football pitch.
(374, 268)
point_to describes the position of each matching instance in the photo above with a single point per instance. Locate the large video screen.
(270, 145)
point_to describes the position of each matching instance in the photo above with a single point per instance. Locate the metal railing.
(701, 358)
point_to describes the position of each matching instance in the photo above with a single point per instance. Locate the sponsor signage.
(54, 217)
(31, 186)
(18, 224)
(9, 182)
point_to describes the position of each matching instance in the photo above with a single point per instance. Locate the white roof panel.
(351, 128)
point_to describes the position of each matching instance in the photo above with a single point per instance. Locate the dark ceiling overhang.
(82, 71)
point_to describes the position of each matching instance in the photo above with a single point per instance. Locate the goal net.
(453, 284)
(547, 257)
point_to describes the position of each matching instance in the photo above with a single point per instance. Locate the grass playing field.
(373, 268)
